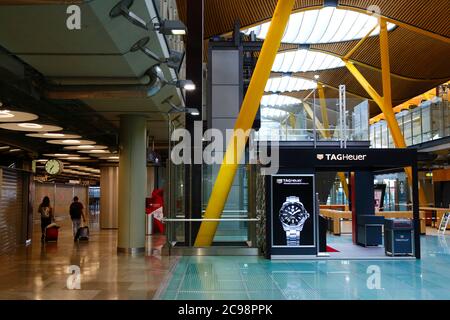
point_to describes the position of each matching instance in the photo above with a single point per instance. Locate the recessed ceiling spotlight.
(30, 125)
(55, 135)
(94, 151)
(6, 114)
(72, 142)
(316, 76)
(86, 147)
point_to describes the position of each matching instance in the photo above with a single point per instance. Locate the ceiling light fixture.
(6, 114)
(177, 109)
(174, 60)
(71, 142)
(166, 27)
(159, 81)
(54, 135)
(47, 135)
(30, 125)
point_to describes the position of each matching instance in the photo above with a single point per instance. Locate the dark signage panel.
(292, 216)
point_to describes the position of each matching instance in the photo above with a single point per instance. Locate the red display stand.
(154, 206)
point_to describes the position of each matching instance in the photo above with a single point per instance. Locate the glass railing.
(428, 122)
(268, 134)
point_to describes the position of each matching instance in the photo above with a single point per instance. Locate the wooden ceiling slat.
(412, 55)
(430, 15)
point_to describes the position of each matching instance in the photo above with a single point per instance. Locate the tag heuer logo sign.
(342, 157)
(279, 181)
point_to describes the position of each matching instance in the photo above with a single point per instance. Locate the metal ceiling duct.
(152, 84)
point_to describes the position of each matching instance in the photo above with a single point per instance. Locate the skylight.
(277, 100)
(324, 25)
(289, 84)
(304, 61)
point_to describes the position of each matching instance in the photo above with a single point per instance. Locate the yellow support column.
(244, 122)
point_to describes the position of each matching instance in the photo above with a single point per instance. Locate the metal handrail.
(209, 220)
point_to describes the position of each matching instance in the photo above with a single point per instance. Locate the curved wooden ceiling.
(220, 15)
(418, 62)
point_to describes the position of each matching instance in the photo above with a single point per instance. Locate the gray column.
(109, 192)
(132, 183)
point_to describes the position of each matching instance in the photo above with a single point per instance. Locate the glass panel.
(407, 128)
(236, 206)
(426, 124)
(416, 127)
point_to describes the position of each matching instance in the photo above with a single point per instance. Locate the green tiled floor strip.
(252, 278)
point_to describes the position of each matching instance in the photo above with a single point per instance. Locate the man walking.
(76, 213)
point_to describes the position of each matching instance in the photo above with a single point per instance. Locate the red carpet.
(330, 249)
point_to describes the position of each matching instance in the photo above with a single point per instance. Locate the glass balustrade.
(430, 121)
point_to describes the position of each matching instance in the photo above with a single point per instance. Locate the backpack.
(75, 210)
(45, 212)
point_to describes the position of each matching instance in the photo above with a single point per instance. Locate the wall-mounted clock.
(54, 167)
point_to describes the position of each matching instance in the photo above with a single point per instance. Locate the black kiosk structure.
(293, 228)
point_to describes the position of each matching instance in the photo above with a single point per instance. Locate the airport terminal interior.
(224, 150)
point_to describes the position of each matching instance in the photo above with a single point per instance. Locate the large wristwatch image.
(293, 216)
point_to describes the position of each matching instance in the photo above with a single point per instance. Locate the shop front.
(297, 225)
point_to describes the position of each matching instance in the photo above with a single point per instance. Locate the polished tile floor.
(256, 278)
(40, 271)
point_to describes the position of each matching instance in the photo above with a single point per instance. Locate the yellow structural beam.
(318, 124)
(323, 108)
(385, 101)
(244, 122)
(359, 44)
(292, 120)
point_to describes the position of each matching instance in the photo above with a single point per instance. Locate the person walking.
(46, 213)
(76, 214)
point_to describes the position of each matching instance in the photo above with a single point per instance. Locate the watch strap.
(293, 238)
(293, 199)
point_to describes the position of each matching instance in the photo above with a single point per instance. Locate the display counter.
(336, 216)
(437, 213)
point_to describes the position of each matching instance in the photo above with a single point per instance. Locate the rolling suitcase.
(51, 234)
(83, 233)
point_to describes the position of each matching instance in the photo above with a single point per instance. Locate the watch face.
(53, 167)
(292, 214)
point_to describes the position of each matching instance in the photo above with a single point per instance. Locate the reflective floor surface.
(40, 271)
(252, 278)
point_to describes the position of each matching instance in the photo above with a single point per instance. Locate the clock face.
(292, 214)
(53, 167)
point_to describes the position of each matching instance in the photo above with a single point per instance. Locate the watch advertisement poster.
(293, 219)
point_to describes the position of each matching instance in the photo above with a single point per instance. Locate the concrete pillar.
(132, 183)
(109, 192)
